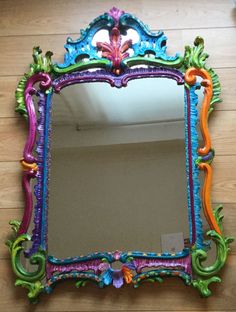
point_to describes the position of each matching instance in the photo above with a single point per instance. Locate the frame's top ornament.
(114, 53)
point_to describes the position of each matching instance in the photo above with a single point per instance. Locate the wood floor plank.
(171, 295)
(7, 215)
(227, 78)
(13, 133)
(222, 127)
(224, 179)
(221, 55)
(44, 17)
(11, 195)
(7, 96)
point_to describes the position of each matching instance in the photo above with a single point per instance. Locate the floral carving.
(115, 50)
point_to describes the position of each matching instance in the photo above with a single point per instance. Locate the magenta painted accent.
(183, 264)
(116, 14)
(116, 81)
(45, 82)
(117, 254)
(29, 91)
(190, 167)
(104, 266)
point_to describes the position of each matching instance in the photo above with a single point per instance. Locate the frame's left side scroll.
(32, 169)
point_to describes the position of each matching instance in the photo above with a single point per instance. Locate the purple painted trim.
(208, 156)
(116, 81)
(45, 83)
(190, 166)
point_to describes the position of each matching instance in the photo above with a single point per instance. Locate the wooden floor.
(24, 24)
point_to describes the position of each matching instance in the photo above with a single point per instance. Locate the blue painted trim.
(194, 120)
(196, 182)
(83, 45)
(123, 258)
(47, 124)
(187, 165)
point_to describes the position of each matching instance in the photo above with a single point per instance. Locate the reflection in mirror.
(118, 176)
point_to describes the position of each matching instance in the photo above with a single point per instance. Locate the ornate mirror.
(117, 164)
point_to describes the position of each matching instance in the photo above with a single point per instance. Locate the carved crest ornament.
(117, 61)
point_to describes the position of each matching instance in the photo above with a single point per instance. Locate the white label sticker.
(172, 242)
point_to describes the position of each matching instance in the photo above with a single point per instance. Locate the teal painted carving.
(114, 53)
(29, 280)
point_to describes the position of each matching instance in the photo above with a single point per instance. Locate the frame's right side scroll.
(204, 275)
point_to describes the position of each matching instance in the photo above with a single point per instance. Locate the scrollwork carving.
(194, 61)
(30, 280)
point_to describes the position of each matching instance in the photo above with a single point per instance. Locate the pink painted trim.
(136, 265)
(45, 83)
(183, 264)
(93, 265)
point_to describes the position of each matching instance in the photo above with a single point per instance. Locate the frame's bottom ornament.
(103, 273)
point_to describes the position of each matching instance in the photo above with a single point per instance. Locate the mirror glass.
(118, 174)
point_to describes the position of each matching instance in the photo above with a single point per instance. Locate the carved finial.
(116, 14)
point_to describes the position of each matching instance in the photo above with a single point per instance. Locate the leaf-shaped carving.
(115, 51)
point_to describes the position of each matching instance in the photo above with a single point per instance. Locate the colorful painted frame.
(115, 65)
